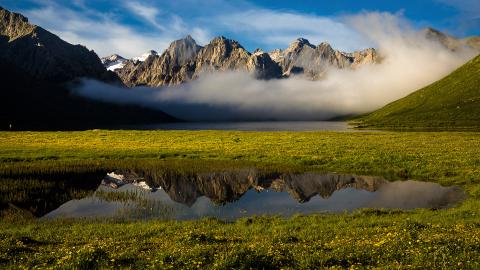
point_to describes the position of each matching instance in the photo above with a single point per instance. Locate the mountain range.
(184, 60)
(38, 69)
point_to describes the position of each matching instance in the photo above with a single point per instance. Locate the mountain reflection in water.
(232, 194)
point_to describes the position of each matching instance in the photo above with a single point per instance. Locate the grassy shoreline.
(448, 238)
(443, 157)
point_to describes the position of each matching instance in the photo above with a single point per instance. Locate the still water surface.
(229, 195)
(249, 126)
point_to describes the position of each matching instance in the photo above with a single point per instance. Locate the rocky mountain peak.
(112, 58)
(324, 45)
(451, 42)
(276, 55)
(298, 44)
(146, 55)
(432, 31)
(186, 41)
(219, 39)
(12, 16)
(223, 41)
(326, 48)
(363, 57)
(262, 66)
(301, 41)
(221, 54)
(183, 50)
(152, 52)
(113, 62)
(258, 51)
(436, 35)
(14, 25)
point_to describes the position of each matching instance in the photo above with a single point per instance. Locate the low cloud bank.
(410, 62)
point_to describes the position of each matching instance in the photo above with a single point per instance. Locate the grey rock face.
(112, 59)
(184, 61)
(222, 54)
(301, 57)
(263, 67)
(367, 56)
(174, 66)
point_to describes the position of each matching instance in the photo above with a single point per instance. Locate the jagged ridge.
(185, 60)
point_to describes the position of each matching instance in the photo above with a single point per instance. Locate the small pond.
(228, 195)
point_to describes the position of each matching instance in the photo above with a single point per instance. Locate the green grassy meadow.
(417, 239)
(450, 103)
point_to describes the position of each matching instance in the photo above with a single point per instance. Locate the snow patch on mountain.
(116, 66)
(113, 62)
(144, 56)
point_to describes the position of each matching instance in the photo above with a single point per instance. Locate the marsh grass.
(38, 196)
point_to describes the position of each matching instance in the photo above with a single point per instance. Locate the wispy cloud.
(115, 30)
(276, 28)
(149, 13)
(97, 31)
(105, 32)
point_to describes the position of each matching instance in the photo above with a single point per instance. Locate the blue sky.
(130, 27)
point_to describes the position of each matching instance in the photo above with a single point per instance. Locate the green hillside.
(450, 103)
